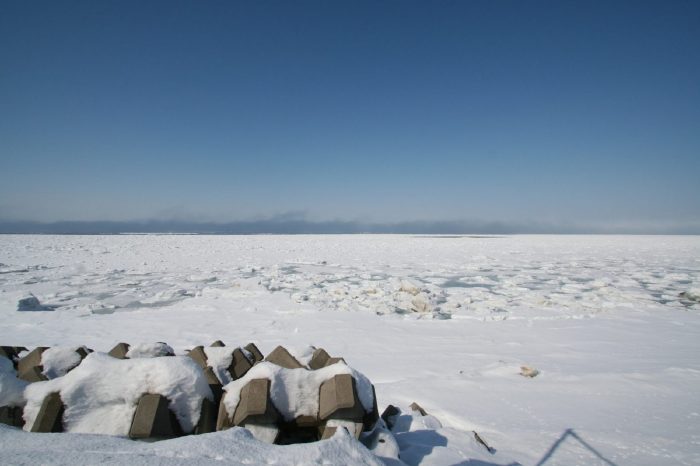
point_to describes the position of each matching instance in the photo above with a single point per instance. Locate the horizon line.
(274, 226)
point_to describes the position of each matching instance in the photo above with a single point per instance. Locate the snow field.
(610, 322)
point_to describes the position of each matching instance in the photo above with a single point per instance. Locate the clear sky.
(559, 113)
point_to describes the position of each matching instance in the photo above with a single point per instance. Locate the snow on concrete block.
(319, 359)
(334, 360)
(33, 374)
(217, 344)
(338, 399)
(30, 360)
(119, 351)
(281, 357)
(150, 350)
(239, 364)
(257, 354)
(57, 361)
(153, 418)
(199, 356)
(50, 416)
(11, 415)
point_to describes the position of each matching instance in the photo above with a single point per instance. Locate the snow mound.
(101, 394)
(11, 388)
(149, 350)
(295, 392)
(236, 447)
(30, 303)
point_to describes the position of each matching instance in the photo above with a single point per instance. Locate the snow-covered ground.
(611, 322)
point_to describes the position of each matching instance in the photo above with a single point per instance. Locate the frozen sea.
(610, 322)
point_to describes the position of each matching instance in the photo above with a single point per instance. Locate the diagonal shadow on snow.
(571, 433)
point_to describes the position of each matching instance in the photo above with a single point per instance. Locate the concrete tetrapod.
(254, 411)
(283, 358)
(33, 374)
(199, 356)
(338, 401)
(207, 418)
(319, 359)
(33, 358)
(252, 349)
(239, 364)
(119, 351)
(50, 416)
(153, 418)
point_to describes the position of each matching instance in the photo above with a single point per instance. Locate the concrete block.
(239, 364)
(50, 416)
(223, 419)
(217, 344)
(31, 359)
(153, 418)
(207, 418)
(12, 416)
(199, 356)
(417, 408)
(306, 421)
(338, 399)
(254, 406)
(33, 374)
(283, 358)
(319, 359)
(119, 351)
(252, 349)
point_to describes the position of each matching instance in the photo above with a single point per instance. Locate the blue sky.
(556, 113)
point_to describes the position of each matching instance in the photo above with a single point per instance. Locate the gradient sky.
(551, 112)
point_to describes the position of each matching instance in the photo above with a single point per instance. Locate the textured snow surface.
(610, 322)
(230, 447)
